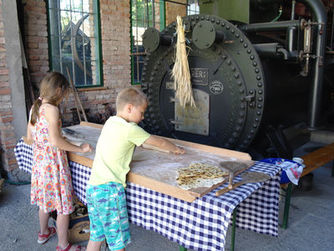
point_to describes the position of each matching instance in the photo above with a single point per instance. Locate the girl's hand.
(85, 147)
(179, 150)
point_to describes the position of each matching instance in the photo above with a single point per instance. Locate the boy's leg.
(43, 221)
(116, 221)
(94, 245)
(62, 227)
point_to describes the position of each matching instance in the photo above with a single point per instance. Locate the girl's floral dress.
(51, 184)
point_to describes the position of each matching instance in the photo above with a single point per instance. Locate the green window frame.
(75, 41)
(143, 14)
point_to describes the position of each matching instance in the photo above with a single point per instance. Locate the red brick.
(5, 91)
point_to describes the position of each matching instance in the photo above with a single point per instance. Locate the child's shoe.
(42, 238)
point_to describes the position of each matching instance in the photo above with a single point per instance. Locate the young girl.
(51, 184)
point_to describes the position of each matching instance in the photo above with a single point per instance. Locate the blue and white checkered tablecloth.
(199, 225)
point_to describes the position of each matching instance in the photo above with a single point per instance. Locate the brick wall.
(36, 39)
(173, 9)
(115, 35)
(99, 102)
(7, 135)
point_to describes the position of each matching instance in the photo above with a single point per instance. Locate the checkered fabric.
(202, 224)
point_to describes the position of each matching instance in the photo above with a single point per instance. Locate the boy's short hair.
(130, 95)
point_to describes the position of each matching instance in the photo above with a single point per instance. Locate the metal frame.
(98, 46)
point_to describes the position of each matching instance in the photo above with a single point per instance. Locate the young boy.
(105, 191)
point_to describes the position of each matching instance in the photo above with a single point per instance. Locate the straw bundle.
(181, 72)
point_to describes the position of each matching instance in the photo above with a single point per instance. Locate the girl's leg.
(43, 221)
(94, 245)
(62, 227)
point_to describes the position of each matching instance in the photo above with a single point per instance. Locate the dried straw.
(181, 72)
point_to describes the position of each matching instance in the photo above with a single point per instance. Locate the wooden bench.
(312, 161)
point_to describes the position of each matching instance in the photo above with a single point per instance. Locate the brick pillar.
(36, 39)
(7, 135)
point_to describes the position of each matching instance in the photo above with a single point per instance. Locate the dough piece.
(199, 175)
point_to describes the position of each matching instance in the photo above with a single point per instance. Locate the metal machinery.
(246, 77)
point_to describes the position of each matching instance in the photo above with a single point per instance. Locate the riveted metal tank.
(246, 77)
(227, 81)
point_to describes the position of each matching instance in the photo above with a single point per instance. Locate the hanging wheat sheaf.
(181, 72)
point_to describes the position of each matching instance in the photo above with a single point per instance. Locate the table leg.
(233, 228)
(181, 248)
(287, 206)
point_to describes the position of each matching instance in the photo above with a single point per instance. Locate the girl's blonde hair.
(130, 95)
(54, 86)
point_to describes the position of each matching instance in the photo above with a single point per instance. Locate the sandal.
(69, 246)
(42, 238)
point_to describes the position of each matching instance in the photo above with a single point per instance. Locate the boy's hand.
(179, 150)
(85, 147)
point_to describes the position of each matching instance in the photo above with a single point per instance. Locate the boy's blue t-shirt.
(114, 151)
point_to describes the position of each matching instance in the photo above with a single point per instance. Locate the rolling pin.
(150, 147)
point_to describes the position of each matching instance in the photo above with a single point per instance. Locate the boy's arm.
(164, 144)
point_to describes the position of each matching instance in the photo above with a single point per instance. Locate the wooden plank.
(84, 123)
(318, 158)
(158, 170)
(72, 156)
(160, 186)
(211, 149)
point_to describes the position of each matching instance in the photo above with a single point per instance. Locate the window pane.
(144, 14)
(193, 7)
(74, 39)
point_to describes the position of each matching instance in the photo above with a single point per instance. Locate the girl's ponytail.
(35, 110)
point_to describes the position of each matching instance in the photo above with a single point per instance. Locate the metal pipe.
(282, 25)
(273, 50)
(291, 29)
(319, 11)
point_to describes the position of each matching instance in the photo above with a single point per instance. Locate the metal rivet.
(258, 77)
(254, 63)
(252, 57)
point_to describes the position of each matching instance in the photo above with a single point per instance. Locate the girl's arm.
(29, 139)
(164, 144)
(52, 116)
